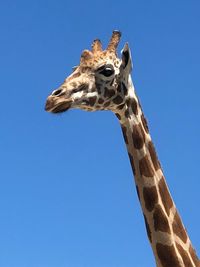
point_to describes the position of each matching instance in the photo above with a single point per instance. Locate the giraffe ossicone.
(102, 81)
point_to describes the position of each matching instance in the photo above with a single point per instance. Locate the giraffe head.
(99, 82)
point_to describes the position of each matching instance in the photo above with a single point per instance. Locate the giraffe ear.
(126, 59)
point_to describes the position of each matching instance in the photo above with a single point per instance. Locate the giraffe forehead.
(98, 59)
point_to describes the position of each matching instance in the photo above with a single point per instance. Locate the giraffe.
(102, 81)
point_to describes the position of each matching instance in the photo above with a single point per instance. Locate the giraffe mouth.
(61, 108)
(52, 105)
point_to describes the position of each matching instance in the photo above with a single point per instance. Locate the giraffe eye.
(107, 71)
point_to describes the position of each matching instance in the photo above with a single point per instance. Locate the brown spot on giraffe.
(124, 131)
(138, 136)
(139, 103)
(165, 195)
(118, 100)
(134, 106)
(145, 167)
(167, 255)
(153, 155)
(138, 192)
(132, 103)
(107, 104)
(147, 228)
(85, 69)
(92, 100)
(73, 84)
(132, 163)
(194, 256)
(124, 89)
(120, 106)
(150, 197)
(109, 93)
(178, 228)
(184, 255)
(160, 220)
(127, 114)
(118, 116)
(98, 106)
(119, 88)
(100, 101)
(144, 123)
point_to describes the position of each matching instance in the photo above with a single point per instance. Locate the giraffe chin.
(51, 106)
(61, 108)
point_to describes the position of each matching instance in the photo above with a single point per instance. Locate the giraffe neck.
(167, 235)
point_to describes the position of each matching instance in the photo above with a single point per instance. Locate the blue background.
(67, 196)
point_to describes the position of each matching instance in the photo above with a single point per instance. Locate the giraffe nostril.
(57, 92)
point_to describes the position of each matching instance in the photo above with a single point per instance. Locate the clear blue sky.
(67, 197)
